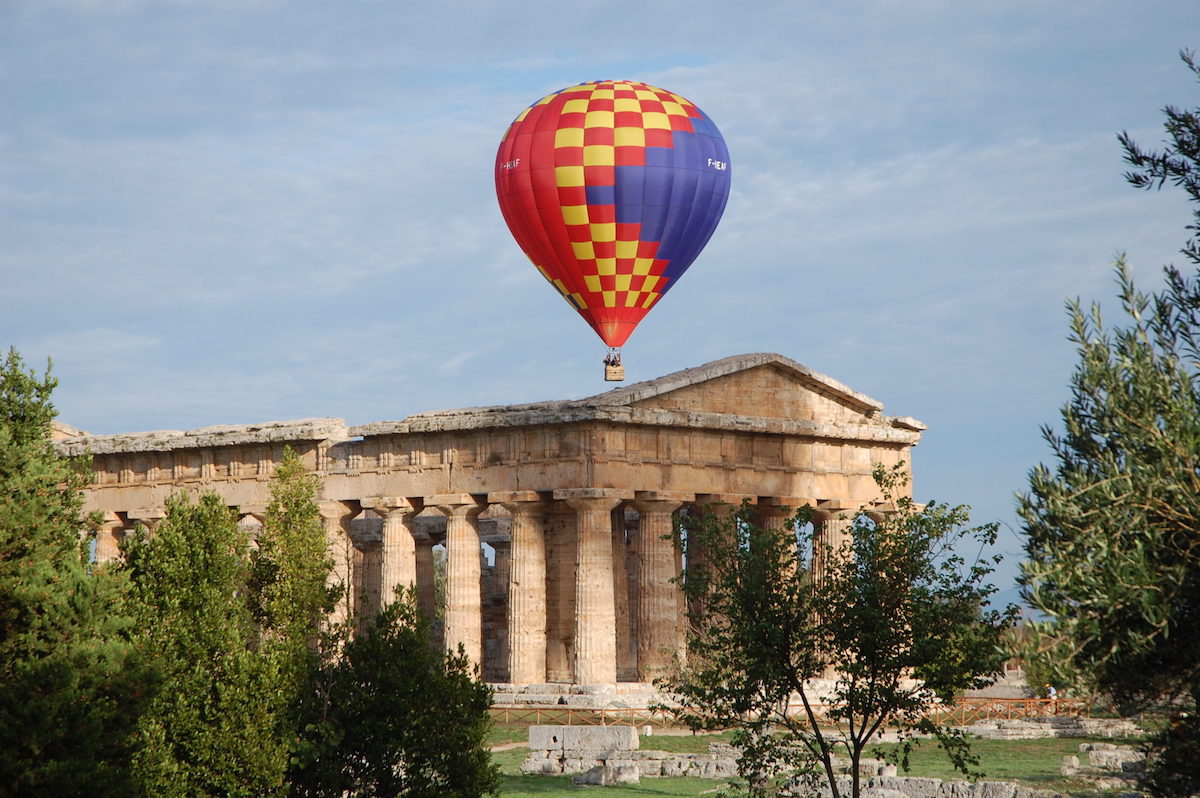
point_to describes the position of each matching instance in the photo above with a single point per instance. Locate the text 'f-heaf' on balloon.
(612, 188)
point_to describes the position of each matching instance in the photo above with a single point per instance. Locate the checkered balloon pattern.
(612, 188)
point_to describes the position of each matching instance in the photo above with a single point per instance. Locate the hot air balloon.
(612, 188)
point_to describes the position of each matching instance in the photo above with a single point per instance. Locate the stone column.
(561, 546)
(723, 507)
(526, 586)
(595, 621)
(251, 524)
(464, 619)
(626, 657)
(831, 531)
(335, 518)
(426, 589)
(773, 513)
(658, 603)
(109, 535)
(398, 549)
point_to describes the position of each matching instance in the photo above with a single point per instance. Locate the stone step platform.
(623, 695)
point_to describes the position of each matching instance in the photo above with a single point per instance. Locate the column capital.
(109, 520)
(386, 505)
(147, 517)
(592, 498)
(665, 506)
(338, 509)
(458, 504)
(834, 510)
(517, 497)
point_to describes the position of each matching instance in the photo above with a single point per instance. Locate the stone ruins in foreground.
(555, 516)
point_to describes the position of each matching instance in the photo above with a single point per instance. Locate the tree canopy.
(200, 662)
(1113, 526)
(806, 663)
(72, 681)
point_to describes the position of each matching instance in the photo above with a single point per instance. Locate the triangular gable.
(755, 385)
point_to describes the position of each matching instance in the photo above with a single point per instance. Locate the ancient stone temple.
(554, 518)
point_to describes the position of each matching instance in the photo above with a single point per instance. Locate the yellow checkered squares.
(674, 109)
(592, 281)
(610, 299)
(568, 176)
(575, 214)
(606, 267)
(606, 231)
(653, 120)
(642, 265)
(629, 137)
(568, 137)
(626, 104)
(623, 281)
(650, 299)
(598, 119)
(602, 94)
(583, 250)
(575, 106)
(598, 155)
(627, 249)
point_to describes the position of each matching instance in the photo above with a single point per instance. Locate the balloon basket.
(614, 373)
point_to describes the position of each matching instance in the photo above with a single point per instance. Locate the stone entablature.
(582, 489)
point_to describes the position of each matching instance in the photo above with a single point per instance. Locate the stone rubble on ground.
(1109, 767)
(608, 755)
(1060, 726)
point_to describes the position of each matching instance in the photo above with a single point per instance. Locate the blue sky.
(231, 212)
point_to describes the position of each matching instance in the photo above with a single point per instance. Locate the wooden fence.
(962, 712)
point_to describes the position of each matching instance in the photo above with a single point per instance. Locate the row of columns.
(598, 645)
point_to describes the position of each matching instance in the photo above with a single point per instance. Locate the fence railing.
(962, 712)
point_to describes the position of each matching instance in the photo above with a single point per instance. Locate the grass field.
(1034, 763)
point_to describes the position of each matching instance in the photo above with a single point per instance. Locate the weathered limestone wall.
(573, 497)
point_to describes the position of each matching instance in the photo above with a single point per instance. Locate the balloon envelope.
(612, 188)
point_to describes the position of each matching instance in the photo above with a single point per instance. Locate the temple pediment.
(764, 391)
(755, 386)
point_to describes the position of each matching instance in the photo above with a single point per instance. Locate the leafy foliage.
(212, 730)
(403, 719)
(71, 680)
(1113, 531)
(291, 599)
(892, 621)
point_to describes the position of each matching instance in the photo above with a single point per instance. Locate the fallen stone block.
(583, 738)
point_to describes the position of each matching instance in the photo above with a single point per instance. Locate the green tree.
(403, 720)
(805, 666)
(213, 730)
(71, 679)
(291, 599)
(1113, 530)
